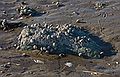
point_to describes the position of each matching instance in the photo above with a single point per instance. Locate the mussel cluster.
(59, 39)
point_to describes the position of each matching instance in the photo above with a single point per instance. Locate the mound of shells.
(59, 39)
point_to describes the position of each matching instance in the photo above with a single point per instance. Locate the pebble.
(39, 61)
(117, 62)
(24, 55)
(2, 71)
(9, 63)
(57, 3)
(69, 64)
(4, 12)
(1, 48)
(61, 55)
(21, 18)
(17, 64)
(34, 47)
(18, 47)
(78, 21)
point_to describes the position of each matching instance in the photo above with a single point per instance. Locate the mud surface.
(104, 23)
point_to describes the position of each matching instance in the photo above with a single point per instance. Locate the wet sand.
(104, 23)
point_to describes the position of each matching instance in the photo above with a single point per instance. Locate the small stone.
(15, 45)
(12, 18)
(24, 55)
(1, 48)
(79, 54)
(101, 53)
(117, 62)
(39, 61)
(109, 64)
(69, 64)
(2, 71)
(46, 51)
(23, 3)
(9, 63)
(94, 73)
(18, 47)
(17, 64)
(53, 2)
(21, 18)
(78, 21)
(53, 44)
(57, 3)
(31, 40)
(34, 47)
(61, 55)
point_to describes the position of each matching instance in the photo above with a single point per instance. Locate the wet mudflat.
(100, 21)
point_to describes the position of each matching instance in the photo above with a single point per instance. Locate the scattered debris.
(64, 39)
(99, 5)
(6, 65)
